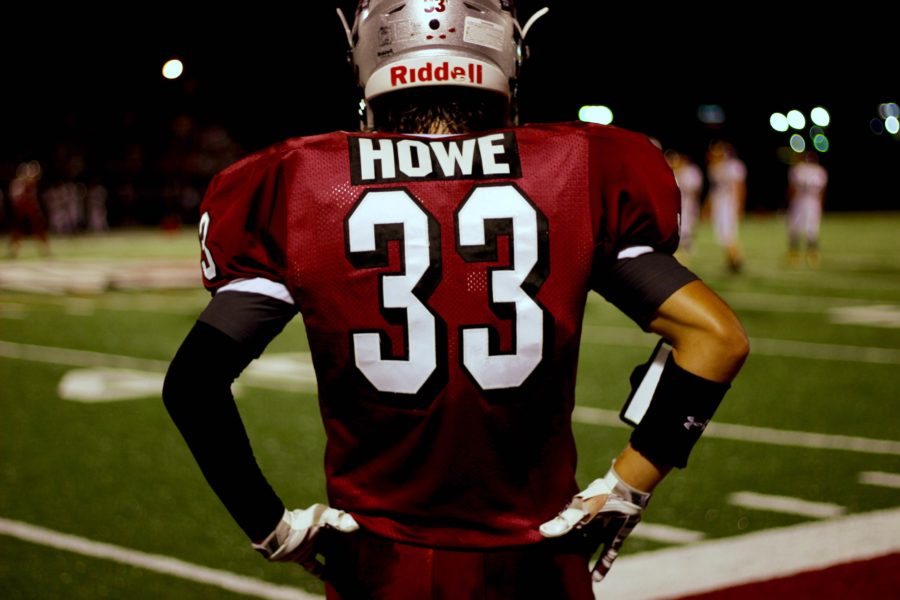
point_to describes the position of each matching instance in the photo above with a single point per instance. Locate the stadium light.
(173, 69)
(596, 114)
(820, 116)
(796, 119)
(778, 122)
(798, 144)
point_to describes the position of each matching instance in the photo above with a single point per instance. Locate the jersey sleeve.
(639, 201)
(243, 228)
(638, 230)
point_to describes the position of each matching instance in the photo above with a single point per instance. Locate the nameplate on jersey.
(386, 160)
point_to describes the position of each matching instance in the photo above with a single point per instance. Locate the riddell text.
(401, 75)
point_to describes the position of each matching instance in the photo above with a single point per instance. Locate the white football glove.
(294, 538)
(608, 527)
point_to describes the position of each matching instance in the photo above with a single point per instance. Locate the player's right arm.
(242, 241)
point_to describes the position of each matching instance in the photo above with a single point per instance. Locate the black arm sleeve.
(197, 394)
(638, 286)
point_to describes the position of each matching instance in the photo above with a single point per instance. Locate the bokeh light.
(173, 69)
(821, 143)
(820, 116)
(892, 125)
(596, 114)
(711, 114)
(877, 126)
(778, 122)
(798, 144)
(796, 119)
(889, 109)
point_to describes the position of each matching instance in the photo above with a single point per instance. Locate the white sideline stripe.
(666, 533)
(152, 562)
(624, 336)
(891, 480)
(758, 556)
(786, 504)
(78, 358)
(759, 435)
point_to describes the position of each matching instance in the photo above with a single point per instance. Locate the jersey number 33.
(486, 213)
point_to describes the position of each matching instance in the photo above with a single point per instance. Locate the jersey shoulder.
(243, 216)
(607, 135)
(277, 154)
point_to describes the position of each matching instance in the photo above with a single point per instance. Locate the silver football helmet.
(401, 44)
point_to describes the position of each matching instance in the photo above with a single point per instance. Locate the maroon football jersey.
(442, 281)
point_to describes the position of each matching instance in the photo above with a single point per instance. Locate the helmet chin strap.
(347, 31)
(364, 117)
(521, 55)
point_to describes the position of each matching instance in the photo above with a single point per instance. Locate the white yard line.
(268, 378)
(790, 303)
(786, 504)
(759, 556)
(77, 358)
(291, 372)
(820, 351)
(152, 562)
(891, 480)
(625, 336)
(760, 435)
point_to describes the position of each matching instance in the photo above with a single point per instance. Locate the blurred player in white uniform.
(807, 180)
(689, 178)
(727, 194)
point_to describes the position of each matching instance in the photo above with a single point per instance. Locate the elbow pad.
(669, 408)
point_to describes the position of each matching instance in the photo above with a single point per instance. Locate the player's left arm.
(708, 348)
(232, 331)
(678, 390)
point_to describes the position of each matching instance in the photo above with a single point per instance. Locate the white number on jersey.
(387, 208)
(503, 204)
(489, 211)
(206, 263)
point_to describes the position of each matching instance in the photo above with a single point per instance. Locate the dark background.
(85, 82)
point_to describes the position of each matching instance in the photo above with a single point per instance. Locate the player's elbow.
(727, 341)
(174, 387)
(182, 385)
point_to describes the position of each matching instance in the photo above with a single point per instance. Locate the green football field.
(99, 497)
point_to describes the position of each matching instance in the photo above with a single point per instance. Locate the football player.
(689, 178)
(807, 180)
(27, 216)
(727, 176)
(441, 260)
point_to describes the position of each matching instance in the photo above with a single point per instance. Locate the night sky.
(267, 72)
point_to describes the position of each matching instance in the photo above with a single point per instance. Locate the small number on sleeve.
(206, 261)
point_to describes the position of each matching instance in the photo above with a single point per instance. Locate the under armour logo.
(693, 422)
